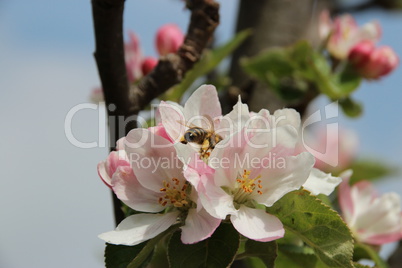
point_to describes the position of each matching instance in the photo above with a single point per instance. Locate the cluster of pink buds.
(345, 40)
(168, 39)
(373, 62)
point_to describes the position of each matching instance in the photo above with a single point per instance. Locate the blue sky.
(52, 201)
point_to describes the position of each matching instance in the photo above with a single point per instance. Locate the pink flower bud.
(148, 64)
(360, 54)
(168, 39)
(381, 62)
(346, 34)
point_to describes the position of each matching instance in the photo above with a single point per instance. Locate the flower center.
(246, 186)
(174, 193)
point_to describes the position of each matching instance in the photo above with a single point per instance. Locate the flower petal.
(321, 183)
(235, 120)
(215, 200)
(173, 120)
(198, 226)
(345, 196)
(282, 179)
(138, 228)
(132, 193)
(153, 158)
(103, 174)
(204, 101)
(381, 220)
(258, 225)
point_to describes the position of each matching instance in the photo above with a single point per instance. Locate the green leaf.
(277, 68)
(209, 60)
(119, 256)
(317, 225)
(266, 251)
(300, 258)
(370, 169)
(350, 107)
(348, 80)
(274, 60)
(143, 256)
(363, 251)
(215, 252)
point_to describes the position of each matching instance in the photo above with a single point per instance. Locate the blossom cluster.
(203, 168)
(345, 40)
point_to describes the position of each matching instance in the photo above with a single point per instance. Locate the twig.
(123, 102)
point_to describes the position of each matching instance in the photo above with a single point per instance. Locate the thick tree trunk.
(274, 23)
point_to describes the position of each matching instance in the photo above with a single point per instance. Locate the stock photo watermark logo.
(252, 126)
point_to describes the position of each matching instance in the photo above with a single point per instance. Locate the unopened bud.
(148, 64)
(381, 61)
(360, 54)
(168, 39)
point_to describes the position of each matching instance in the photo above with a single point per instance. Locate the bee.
(205, 138)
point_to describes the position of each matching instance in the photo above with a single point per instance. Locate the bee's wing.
(210, 122)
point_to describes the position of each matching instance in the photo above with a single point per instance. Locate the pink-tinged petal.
(127, 188)
(283, 178)
(324, 24)
(321, 183)
(345, 196)
(384, 238)
(198, 226)
(343, 37)
(370, 31)
(379, 239)
(153, 159)
(203, 102)
(138, 228)
(216, 201)
(235, 120)
(258, 225)
(160, 130)
(382, 216)
(224, 158)
(107, 168)
(172, 117)
(116, 159)
(103, 174)
(120, 143)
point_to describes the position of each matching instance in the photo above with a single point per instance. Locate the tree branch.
(123, 102)
(172, 68)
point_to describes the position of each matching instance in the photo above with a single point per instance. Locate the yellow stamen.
(246, 186)
(175, 195)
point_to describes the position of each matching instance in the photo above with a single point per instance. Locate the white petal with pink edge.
(138, 228)
(127, 188)
(153, 159)
(258, 225)
(199, 226)
(203, 102)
